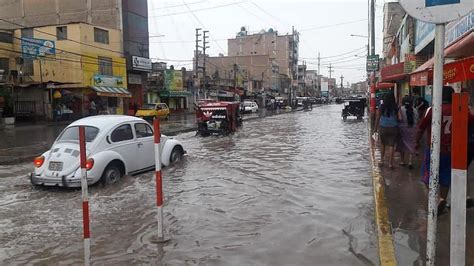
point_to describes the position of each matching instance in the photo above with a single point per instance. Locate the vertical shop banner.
(169, 79)
(178, 80)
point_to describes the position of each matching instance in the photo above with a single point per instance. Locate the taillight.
(38, 161)
(89, 164)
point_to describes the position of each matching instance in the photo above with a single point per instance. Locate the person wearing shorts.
(386, 123)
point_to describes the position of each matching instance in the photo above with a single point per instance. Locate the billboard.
(32, 48)
(429, 3)
(324, 86)
(173, 80)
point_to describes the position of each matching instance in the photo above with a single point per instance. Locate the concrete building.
(129, 17)
(284, 48)
(60, 69)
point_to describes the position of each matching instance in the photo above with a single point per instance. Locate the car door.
(124, 143)
(145, 145)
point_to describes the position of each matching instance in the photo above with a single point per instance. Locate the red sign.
(459, 70)
(393, 72)
(420, 78)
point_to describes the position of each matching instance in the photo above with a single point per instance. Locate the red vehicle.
(218, 118)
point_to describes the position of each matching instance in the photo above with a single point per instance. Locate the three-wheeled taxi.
(215, 118)
(354, 107)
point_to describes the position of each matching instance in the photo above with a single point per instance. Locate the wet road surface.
(289, 189)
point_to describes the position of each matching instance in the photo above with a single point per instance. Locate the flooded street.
(289, 189)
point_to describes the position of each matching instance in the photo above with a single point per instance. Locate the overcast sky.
(325, 26)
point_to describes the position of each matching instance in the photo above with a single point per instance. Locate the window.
(28, 33)
(72, 134)
(27, 67)
(61, 33)
(6, 37)
(4, 65)
(122, 133)
(101, 36)
(143, 130)
(105, 66)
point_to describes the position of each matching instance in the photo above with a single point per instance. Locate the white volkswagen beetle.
(115, 145)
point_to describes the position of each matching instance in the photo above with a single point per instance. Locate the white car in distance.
(250, 107)
(115, 145)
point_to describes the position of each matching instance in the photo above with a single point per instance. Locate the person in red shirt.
(445, 148)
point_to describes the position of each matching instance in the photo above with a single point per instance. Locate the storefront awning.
(177, 94)
(112, 92)
(393, 72)
(385, 85)
(456, 71)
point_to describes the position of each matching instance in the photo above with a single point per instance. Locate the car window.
(72, 134)
(123, 132)
(163, 106)
(143, 130)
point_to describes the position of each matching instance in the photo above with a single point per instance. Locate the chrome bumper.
(57, 181)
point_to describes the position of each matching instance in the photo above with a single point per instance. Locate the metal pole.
(85, 197)
(435, 145)
(459, 145)
(159, 180)
(372, 26)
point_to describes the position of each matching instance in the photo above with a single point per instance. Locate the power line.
(332, 56)
(334, 25)
(202, 25)
(167, 7)
(54, 35)
(195, 10)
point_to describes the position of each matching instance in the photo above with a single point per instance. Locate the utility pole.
(342, 85)
(371, 78)
(319, 73)
(372, 27)
(204, 47)
(330, 74)
(196, 63)
(235, 76)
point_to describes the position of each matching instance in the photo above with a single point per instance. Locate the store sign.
(459, 71)
(134, 79)
(373, 63)
(456, 29)
(410, 63)
(436, 11)
(32, 48)
(141, 63)
(108, 81)
(392, 72)
(173, 80)
(425, 33)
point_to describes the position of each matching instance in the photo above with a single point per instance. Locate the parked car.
(116, 145)
(250, 107)
(151, 111)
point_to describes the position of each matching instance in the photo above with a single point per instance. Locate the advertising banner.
(32, 48)
(173, 80)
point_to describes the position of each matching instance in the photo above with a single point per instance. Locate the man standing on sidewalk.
(445, 149)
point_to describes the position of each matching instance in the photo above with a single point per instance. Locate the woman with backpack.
(407, 126)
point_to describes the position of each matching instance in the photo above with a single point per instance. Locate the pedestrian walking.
(92, 108)
(445, 149)
(407, 128)
(386, 124)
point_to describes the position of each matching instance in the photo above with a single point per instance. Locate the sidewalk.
(407, 203)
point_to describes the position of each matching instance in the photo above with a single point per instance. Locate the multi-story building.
(61, 69)
(129, 18)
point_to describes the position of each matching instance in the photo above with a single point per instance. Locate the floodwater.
(292, 189)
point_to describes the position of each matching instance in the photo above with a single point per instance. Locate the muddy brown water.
(293, 189)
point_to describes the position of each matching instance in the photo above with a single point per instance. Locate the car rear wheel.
(176, 155)
(112, 174)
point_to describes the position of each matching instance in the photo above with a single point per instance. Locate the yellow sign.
(57, 95)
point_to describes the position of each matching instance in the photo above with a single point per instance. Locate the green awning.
(112, 91)
(175, 94)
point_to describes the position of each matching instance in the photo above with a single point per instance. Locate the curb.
(384, 228)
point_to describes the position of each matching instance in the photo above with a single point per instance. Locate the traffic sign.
(437, 11)
(373, 62)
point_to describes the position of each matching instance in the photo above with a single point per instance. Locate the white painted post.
(435, 145)
(459, 178)
(85, 197)
(159, 180)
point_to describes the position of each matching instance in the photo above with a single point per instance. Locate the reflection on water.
(289, 189)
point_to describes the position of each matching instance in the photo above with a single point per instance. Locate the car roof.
(105, 121)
